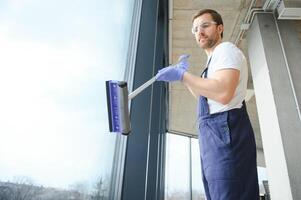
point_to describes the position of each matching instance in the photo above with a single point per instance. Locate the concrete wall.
(272, 61)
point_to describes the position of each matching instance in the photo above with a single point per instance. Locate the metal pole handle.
(142, 87)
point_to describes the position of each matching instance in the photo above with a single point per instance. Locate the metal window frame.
(144, 155)
(121, 141)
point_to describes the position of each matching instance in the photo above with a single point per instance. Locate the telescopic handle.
(142, 87)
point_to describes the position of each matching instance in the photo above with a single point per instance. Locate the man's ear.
(220, 28)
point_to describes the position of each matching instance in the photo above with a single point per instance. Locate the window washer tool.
(118, 104)
(118, 97)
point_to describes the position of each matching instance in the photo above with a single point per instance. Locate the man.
(227, 144)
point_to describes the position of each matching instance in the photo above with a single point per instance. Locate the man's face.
(206, 31)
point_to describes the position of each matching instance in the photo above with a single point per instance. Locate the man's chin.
(203, 45)
(207, 44)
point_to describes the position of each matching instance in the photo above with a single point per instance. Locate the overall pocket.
(218, 127)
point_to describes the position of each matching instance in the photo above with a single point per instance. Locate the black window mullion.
(145, 145)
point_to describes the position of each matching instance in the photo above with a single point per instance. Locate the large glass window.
(177, 168)
(198, 192)
(55, 58)
(183, 178)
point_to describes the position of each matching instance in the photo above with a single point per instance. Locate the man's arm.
(221, 87)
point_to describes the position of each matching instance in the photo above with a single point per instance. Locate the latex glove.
(174, 72)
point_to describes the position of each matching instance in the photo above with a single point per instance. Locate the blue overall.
(228, 153)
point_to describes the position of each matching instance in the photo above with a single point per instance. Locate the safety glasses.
(201, 27)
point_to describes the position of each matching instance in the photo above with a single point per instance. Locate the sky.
(55, 56)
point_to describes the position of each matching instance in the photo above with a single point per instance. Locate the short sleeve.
(227, 56)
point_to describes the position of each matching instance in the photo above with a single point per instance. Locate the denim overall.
(228, 153)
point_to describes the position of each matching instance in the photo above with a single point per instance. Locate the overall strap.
(203, 104)
(205, 71)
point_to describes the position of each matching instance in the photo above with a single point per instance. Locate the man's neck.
(209, 51)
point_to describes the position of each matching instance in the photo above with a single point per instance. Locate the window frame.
(139, 157)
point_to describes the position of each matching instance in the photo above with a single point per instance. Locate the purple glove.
(174, 72)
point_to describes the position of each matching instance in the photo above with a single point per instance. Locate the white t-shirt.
(227, 56)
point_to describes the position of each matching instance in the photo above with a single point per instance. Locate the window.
(177, 176)
(183, 179)
(55, 58)
(197, 183)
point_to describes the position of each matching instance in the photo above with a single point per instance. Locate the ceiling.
(182, 105)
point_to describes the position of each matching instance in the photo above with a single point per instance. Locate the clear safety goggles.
(201, 27)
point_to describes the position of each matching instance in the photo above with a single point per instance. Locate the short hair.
(214, 14)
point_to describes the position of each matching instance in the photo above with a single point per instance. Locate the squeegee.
(118, 104)
(118, 100)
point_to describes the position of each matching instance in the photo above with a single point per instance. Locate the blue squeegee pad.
(114, 106)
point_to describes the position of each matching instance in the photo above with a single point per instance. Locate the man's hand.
(174, 72)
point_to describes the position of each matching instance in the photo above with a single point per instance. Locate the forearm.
(211, 88)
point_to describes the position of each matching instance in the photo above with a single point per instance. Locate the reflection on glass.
(177, 174)
(55, 57)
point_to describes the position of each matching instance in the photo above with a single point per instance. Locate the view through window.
(183, 179)
(55, 58)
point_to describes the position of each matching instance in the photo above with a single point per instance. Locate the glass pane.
(55, 57)
(198, 192)
(177, 171)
